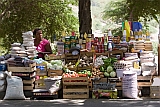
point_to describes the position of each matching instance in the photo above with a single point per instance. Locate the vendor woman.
(42, 45)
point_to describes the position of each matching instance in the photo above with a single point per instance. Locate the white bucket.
(120, 72)
(129, 84)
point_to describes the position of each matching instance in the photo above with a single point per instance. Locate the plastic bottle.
(109, 46)
(136, 34)
(147, 36)
(140, 34)
(110, 36)
(124, 36)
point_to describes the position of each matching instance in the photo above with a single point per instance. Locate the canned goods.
(67, 46)
(73, 44)
(72, 39)
(67, 40)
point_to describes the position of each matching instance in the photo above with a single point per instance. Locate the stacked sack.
(127, 63)
(17, 49)
(28, 43)
(148, 45)
(139, 45)
(148, 65)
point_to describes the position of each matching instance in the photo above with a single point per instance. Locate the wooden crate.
(28, 87)
(29, 81)
(154, 91)
(144, 81)
(90, 84)
(69, 56)
(104, 54)
(41, 72)
(116, 81)
(92, 81)
(55, 72)
(85, 68)
(77, 87)
(88, 54)
(28, 84)
(115, 52)
(75, 93)
(52, 57)
(31, 68)
(40, 84)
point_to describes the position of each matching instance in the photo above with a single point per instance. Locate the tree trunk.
(85, 21)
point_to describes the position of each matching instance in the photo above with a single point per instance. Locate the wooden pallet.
(77, 87)
(31, 68)
(43, 94)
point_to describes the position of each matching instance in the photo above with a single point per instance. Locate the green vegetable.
(89, 73)
(109, 69)
(102, 69)
(109, 61)
(79, 72)
(106, 74)
(113, 74)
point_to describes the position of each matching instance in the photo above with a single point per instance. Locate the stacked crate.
(40, 91)
(75, 87)
(41, 74)
(28, 76)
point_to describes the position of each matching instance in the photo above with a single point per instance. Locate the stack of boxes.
(26, 70)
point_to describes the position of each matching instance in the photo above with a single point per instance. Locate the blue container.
(3, 67)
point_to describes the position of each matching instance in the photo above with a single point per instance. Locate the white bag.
(52, 84)
(14, 88)
(2, 85)
(2, 75)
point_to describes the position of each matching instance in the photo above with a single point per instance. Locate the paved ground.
(81, 103)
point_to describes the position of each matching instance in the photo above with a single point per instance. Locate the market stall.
(85, 67)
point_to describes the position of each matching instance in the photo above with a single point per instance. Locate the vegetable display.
(55, 65)
(108, 67)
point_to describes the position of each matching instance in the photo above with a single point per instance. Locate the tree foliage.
(17, 16)
(133, 10)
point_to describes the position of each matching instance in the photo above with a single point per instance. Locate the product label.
(136, 36)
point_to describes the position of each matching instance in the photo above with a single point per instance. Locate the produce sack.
(52, 84)
(14, 88)
(2, 85)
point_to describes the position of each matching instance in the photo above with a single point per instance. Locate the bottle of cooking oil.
(136, 35)
(140, 34)
(147, 36)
